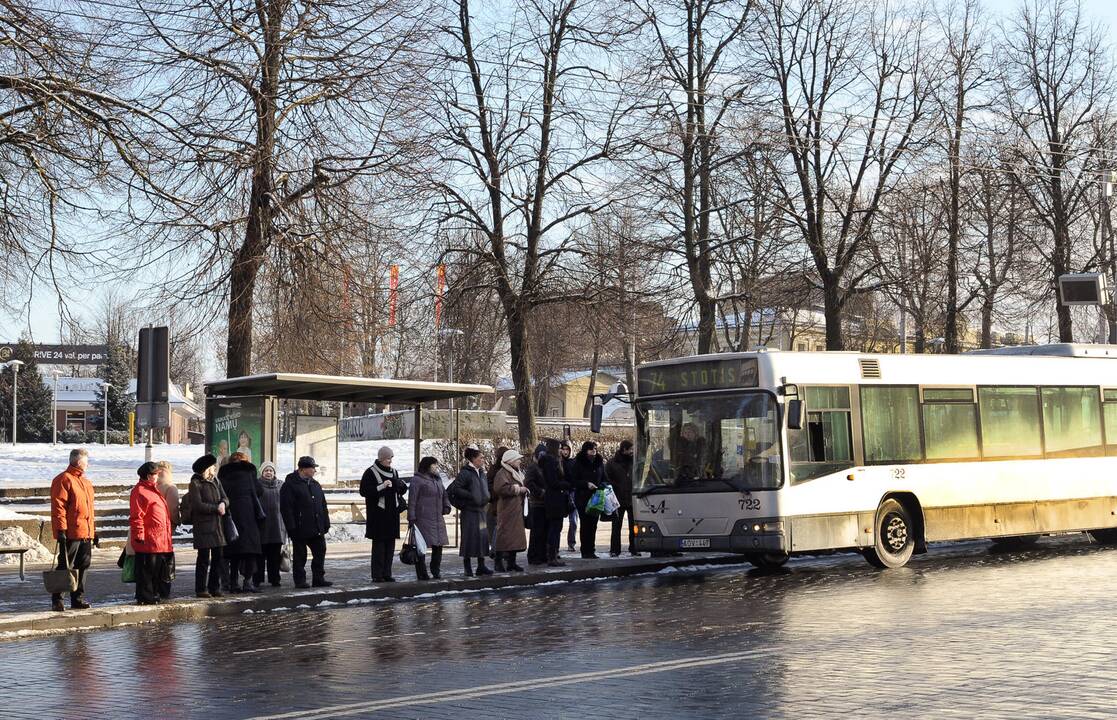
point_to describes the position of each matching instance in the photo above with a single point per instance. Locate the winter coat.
(618, 473)
(536, 485)
(170, 494)
(510, 492)
(149, 520)
(243, 489)
(71, 504)
(272, 531)
(303, 506)
(427, 503)
(205, 496)
(474, 541)
(587, 470)
(381, 506)
(556, 498)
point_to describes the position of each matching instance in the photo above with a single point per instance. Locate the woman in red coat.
(150, 523)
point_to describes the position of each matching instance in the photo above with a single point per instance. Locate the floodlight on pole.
(14, 365)
(105, 424)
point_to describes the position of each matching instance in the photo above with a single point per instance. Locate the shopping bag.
(231, 532)
(419, 541)
(128, 572)
(61, 578)
(285, 559)
(612, 504)
(596, 505)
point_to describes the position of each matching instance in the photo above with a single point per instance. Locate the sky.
(42, 321)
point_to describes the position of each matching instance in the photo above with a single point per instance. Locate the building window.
(75, 420)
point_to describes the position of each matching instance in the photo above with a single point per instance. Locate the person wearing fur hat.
(382, 488)
(510, 491)
(272, 534)
(208, 503)
(242, 486)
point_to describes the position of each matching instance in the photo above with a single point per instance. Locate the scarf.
(517, 475)
(385, 476)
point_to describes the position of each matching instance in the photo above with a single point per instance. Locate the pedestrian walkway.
(23, 605)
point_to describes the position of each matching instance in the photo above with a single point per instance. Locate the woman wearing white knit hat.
(510, 491)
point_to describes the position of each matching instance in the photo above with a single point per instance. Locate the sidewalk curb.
(20, 625)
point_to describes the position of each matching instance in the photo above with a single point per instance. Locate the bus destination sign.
(696, 376)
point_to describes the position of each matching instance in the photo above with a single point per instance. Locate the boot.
(56, 603)
(468, 563)
(436, 565)
(481, 569)
(498, 563)
(77, 602)
(421, 569)
(511, 563)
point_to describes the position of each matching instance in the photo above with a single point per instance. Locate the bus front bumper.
(748, 536)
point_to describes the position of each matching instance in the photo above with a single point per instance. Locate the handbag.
(285, 559)
(409, 554)
(128, 569)
(230, 527)
(63, 579)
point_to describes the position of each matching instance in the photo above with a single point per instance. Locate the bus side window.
(825, 444)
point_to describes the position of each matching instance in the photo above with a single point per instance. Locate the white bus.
(772, 453)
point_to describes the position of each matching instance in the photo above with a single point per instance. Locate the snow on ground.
(36, 464)
(15, 537)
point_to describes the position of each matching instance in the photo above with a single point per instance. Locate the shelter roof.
(299, 386)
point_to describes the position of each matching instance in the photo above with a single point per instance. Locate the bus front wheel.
(894, 539)
(768, 560)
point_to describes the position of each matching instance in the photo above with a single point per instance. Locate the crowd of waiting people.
(243, 518)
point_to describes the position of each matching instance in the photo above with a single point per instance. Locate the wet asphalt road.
(961, 632)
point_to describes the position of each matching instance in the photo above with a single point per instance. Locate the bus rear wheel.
(768, 560)
(894, 539)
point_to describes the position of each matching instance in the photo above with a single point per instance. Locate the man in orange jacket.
(71, 519)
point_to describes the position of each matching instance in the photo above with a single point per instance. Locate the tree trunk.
(987, 323)
(521, 375)
(832, 311)
(1059, 260)
(593, 379)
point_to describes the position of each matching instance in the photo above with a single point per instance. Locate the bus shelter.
(243, 412)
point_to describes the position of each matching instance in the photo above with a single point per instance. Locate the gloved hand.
(61, 536)
(96, 541)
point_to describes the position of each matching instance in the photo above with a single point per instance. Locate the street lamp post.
(54, 410)
(14, 365)
(105, 420)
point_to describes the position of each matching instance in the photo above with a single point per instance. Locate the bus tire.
(1017, 542)
(768, 560)
(894, 536)
(1107, 536)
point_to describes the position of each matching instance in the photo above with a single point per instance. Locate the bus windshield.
(709, 444)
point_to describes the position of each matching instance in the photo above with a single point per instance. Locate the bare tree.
(272, 102)
(518, 145)
(853, 100)
(1056, 80)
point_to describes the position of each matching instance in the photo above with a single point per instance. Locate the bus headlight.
(645, 528)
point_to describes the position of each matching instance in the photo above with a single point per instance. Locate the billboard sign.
(60, 354)
(236, 424)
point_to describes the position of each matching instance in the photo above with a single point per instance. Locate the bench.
(16, 549)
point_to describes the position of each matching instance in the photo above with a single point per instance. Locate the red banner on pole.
(393, 294)
(439, 287)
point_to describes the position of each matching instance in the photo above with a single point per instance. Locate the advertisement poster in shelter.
(235, 425)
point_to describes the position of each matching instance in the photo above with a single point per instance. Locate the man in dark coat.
(589, 474)
(381, 488)
(536, 508)
(242, 487)
(556, 499)
(303, 505)
(618, 472)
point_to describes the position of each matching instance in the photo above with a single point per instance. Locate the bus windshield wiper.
(654, 489)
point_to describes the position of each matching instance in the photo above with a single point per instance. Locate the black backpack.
(458, 496)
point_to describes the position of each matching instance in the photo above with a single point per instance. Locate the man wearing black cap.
(303, 506)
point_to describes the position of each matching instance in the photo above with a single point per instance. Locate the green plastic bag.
(596, 505)
(128, 573)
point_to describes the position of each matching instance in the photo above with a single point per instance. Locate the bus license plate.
(694, 543)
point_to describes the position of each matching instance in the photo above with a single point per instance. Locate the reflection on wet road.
(960, 632)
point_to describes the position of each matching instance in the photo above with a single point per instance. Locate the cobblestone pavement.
(961, 632)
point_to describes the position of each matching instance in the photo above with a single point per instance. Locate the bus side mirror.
(595, 417)
(795, 414)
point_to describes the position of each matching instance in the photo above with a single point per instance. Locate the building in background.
(79, 408)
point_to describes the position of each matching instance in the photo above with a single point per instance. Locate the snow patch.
(15, 537)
